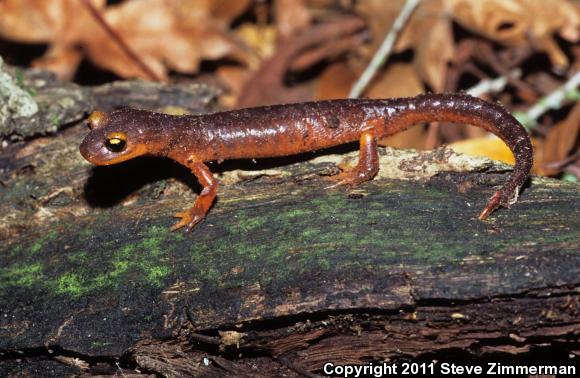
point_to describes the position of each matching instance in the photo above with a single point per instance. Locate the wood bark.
(283, 275)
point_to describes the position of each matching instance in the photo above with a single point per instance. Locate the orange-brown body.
(283, 130)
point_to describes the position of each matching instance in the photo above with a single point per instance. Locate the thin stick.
(493, 85)
(384, 51)
(122, 44)
(552, 101)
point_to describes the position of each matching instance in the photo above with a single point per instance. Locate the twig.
(119, 369)
(562, 163)
(552, 101)
(204, 339)
(384, 50)
(122, 44)
(493, 85)
(266, 86)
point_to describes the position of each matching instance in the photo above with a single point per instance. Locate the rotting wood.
(52, 105)
(292, 275)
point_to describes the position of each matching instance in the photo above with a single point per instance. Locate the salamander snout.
(107, 144)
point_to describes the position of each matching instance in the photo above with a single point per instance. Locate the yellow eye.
(116, 142)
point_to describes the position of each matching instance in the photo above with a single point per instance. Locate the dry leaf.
(380, 16)
(41, 21)
(234, 78)
(165, 34)
(399, 80)
(220, 12)
(559, 142)
(428, 32)
(490, 146)
(60, 59)
(321, 41)
(291, 16)
(54, 22)
(148, 25)
(335, 82)
(260, 38)
(513, 22)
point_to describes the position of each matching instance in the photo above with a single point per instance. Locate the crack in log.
(74, 359)
(353, 337)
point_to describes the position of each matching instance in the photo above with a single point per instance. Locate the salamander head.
(120, 135)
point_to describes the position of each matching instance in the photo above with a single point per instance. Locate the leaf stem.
(384, 50)
(151, 75)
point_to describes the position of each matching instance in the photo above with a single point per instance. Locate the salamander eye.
(116, 142)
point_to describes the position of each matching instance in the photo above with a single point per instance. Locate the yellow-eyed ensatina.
(282, 130)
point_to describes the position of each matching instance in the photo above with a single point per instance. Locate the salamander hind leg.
(191, 217)
(368, 163)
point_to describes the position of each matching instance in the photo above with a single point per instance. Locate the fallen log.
(283, 275)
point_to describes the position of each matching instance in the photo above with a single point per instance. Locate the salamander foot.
(351, 178)
(494, 202)
(189, 218)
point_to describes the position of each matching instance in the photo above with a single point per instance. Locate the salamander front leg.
(191, 217)
(368, 163)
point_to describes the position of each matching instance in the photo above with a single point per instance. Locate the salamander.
(283, 130)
